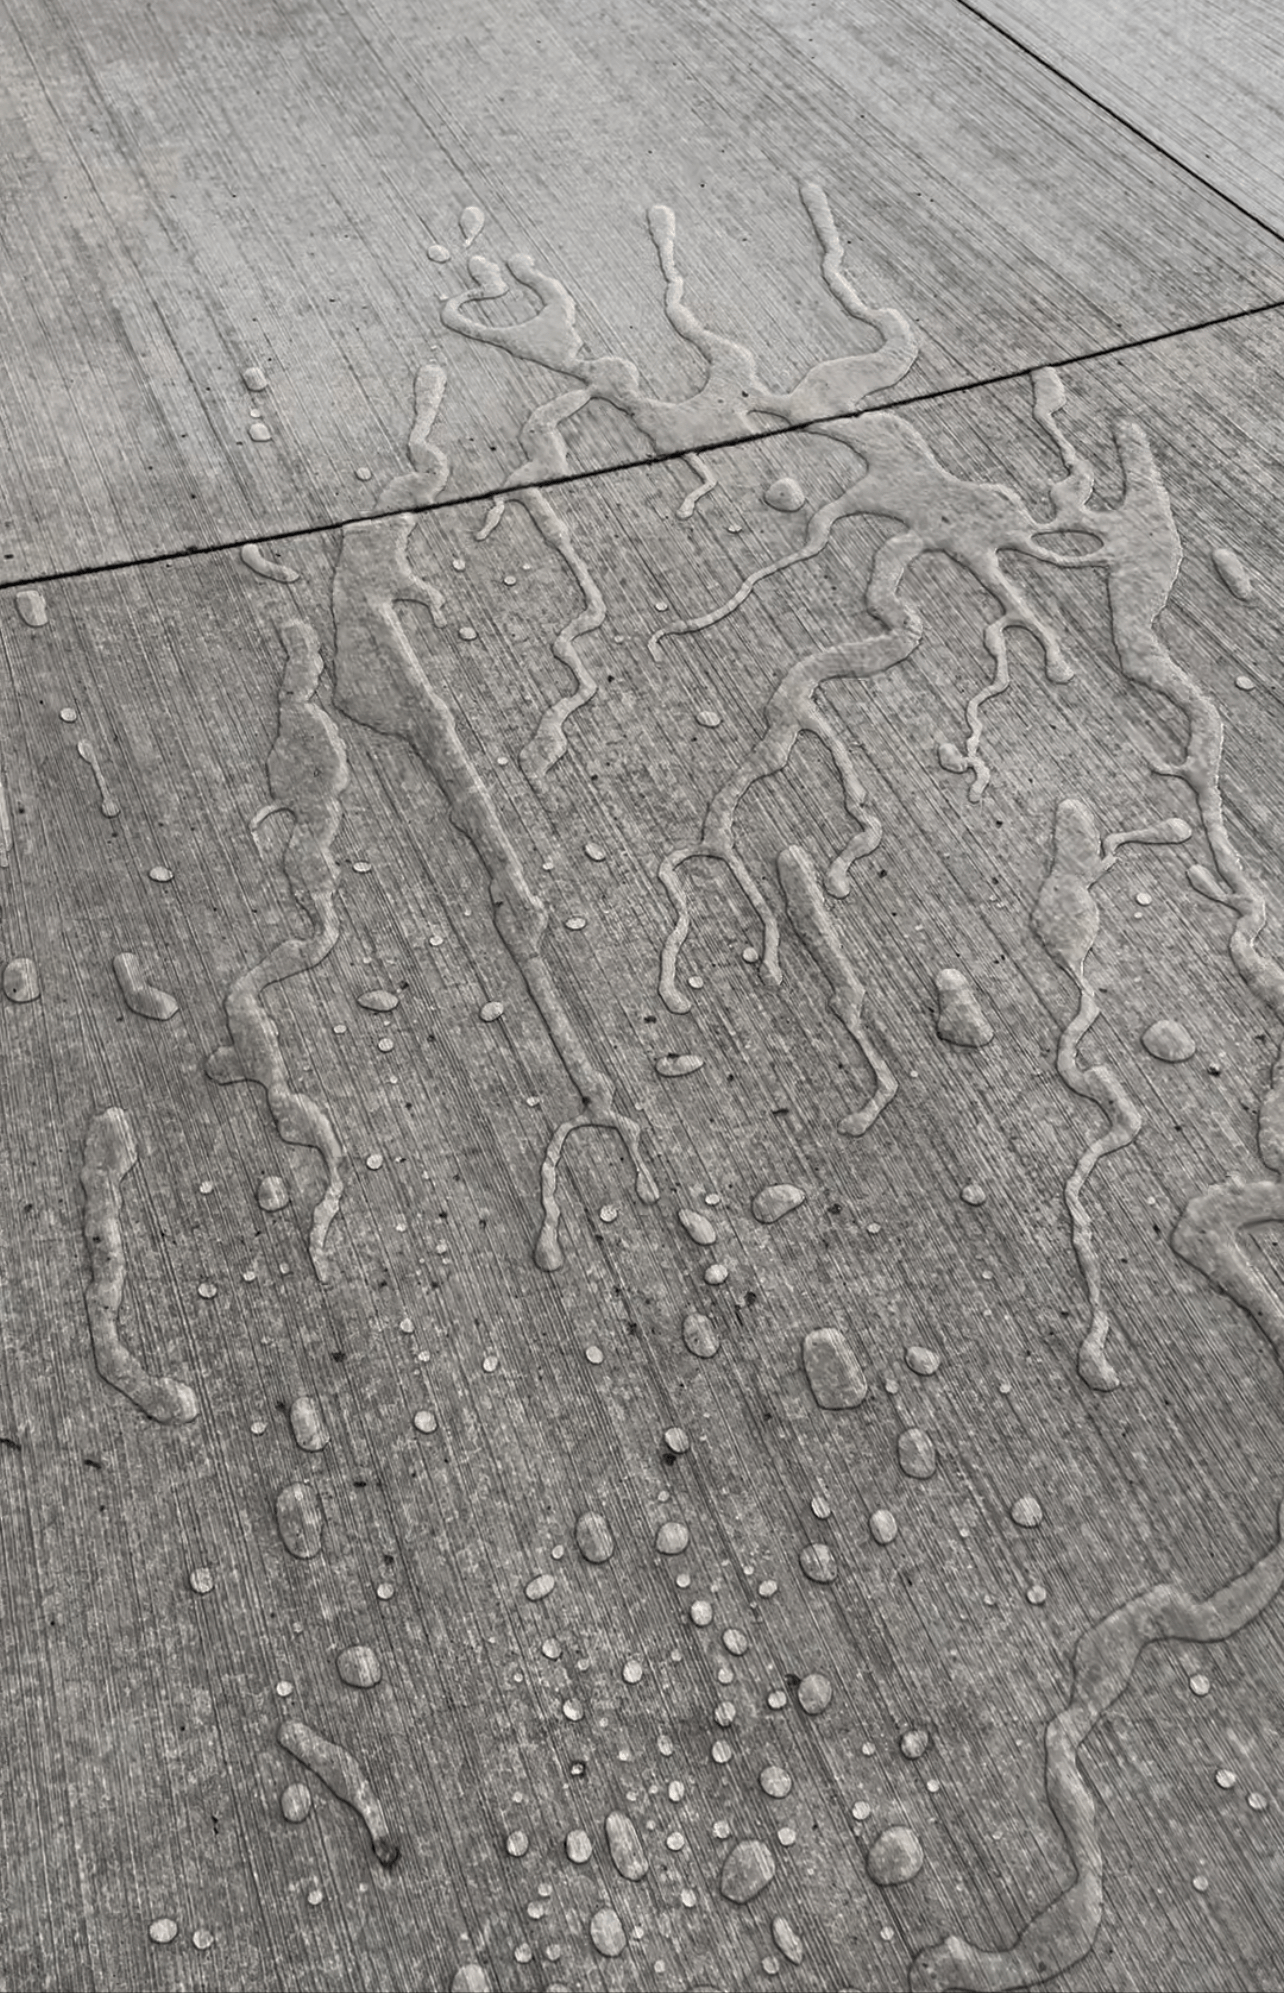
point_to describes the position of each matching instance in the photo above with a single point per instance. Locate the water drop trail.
(380, 682)
(814, 927)
(1067, 920)
(142, 997)
(110, 1154)
(1104, 1660)
(107, 802)
(307, 773)
(546, 458)
(260, 563)
(339, 1770)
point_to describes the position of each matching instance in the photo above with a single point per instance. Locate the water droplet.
(1226, 1780)
(1200, 1685)
(914, 1743)
(925, 1362)
(593, 1354)
(162, 1931)
(207, 1290)
(672, 1538)
(607, 1933)
(775, 1781)
(202, 1939)
(1258, 1802)
(746, 1872)
(1027, 1512)
(724, 1715)
(735, 1640)
(1037, 1595)
(307, 1425)
(518, 1842)
(468, 633)
(596, 852)
(787, 1940)
(201, 1579)
(883, 1526)
(21, 980)
(359, 1667)
(255, 379)
(374, 1161)
(579, 1847)
(296, 1802)
(698, 1227)
(815, 1693)
(300, 1520)
(775, 1201)
(972, 1193)
(625, 1847)
(818, 1563)
(540, 1586)
(425, 1421)
(260, 433)
(784, 494)
(490, 1011)
(1168, 1041)
(699, 1334)
(632, 1672)
(836, 1378)
(272, 1194)
(895, 1857)
(68, 715)
(378, 1000)
(161, 874)
(593, 1538)
(708, 716)
(916, 1454)
(716, 1275)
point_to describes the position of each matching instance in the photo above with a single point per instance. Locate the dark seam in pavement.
(1045, 62)
(492, 492)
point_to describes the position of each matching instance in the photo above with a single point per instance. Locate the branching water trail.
(805, 905)
(380, 682)
(307, 773)
(1067, 921)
